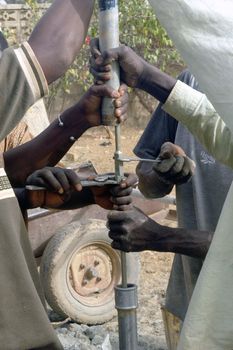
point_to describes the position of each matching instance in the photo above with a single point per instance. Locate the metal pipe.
(109, 39)
(125, 295)
(169, 199)
(126, 305)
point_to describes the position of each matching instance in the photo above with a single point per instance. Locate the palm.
(90, 107)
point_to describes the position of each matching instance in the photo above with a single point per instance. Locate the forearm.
(150, 185)
(193, 109)
(156, 83)
(181, 241)
(59, 35)
(31, 198)
(46, 149)
(79, 200)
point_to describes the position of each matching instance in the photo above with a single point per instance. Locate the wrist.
(74, 121)
(155, 82)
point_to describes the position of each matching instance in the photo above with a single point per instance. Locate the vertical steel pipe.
(109, 39)
(126, 305)
(125, 295)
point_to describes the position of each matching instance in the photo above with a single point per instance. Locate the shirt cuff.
(183, 102)
(32, 70)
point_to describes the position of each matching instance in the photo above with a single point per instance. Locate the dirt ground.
(97, 147)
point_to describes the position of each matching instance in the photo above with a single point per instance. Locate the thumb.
(104, 91)
(169, 149)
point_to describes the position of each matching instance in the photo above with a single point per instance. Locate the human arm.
(26, 71)
(134, 70)
(60, 188)
(171, 167)
(50, 146)
(190, 107)
(59, 35)
(133, 231)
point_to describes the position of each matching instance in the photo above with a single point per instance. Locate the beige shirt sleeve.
(22, 83)
(194, 110)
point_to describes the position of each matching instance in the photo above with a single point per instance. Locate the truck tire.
(79, 270)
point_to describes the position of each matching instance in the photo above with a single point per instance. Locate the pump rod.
(125, 294)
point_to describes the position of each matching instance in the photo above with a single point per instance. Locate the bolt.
(81, 267)
(96, 262)
(98, 279)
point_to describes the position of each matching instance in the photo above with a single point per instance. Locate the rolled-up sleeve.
(194, 110)
(22, 83)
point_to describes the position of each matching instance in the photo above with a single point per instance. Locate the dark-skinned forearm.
(150, 185)
(156, 83)
(182, 241)
(46, 149)
(78, 200)
(59, 35)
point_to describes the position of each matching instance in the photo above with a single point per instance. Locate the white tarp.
(202, 31)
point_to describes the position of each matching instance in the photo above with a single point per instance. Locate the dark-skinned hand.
(115, 197)
(172, 165)
(90, 104)
(131, 65)
(131, 230)
(62, 186)
(57, 183)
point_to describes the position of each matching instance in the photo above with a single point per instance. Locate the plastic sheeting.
(202, 31)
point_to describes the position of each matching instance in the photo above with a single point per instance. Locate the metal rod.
(125, 295)
(109, 39)
(125, 159)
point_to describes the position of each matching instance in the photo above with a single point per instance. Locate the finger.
(104, 90)
(99, 76)
(116, 245)
(121, 100)
(115, 229)
(98, 65)
(51, 182)
(123, 88)
(190, 164)
(131, 180)
(94, 47)
(186, 173)
(126, 207)
(121, 200)
(121, 244)
(187, 169)
(171, 148)
(121, 105)
(36, 181)
(113, 55)
(73, 179)
(178, 166)
(165, 164)
(117, 191)
(63, 181)
(116, 216)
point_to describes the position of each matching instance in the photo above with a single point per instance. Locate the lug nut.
(96, 262)
(81, 267)
(98, 279)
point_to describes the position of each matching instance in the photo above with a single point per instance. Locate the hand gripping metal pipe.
(125, 294)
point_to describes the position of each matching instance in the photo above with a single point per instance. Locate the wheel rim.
(92, 273)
